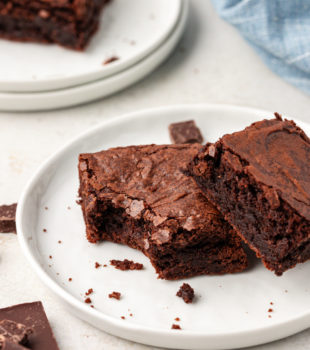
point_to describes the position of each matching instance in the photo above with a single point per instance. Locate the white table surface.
(211, 65)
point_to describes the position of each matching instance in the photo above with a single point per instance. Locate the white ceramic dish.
(10, 101)
(230, 311)
(130, 30)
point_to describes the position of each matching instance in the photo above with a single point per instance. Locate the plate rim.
(134, 332)
(70, 81)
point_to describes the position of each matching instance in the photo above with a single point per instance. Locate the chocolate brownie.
(259, 178)
(65, 22)
(139, 196)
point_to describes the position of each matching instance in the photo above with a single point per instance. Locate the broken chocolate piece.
(186, 292)
(7, 218)
(33, 316)
(185, 132)
(125, 265)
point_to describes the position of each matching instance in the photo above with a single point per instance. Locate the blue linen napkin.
(279, 30)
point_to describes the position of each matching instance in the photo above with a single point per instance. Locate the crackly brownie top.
(148, 181)
(277, 153)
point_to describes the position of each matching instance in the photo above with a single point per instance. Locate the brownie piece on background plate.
(259, 179)
(185, 132)
(69, 23)
(139, 196)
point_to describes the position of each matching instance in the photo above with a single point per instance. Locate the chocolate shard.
(32, 315)
(185, 132)
(7, 218)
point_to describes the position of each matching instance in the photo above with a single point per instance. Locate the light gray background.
(212, 64)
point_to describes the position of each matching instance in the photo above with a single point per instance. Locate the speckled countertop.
(214, 65)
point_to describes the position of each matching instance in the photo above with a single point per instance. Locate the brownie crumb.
(87, 300)
(125, 265)
(97, 265)
(70, 279)
(59, 242)
(44, 230)
(185, 132)
(269, 316)
(130, 315)
(105, 265)
(69, 208)
(186, 292)
(110, 60)
(177, 319)
(271, 303)
(123, 317)
(92, 306)
(46, 208)
(270, 310)
(115, 295)
(50, 257)
(90, 291)
(175, 326)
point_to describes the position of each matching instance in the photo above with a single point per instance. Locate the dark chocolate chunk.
(7, 218)
(125, 265)
(13, 332)
(185, 132)
(32, 315)
(186, 292)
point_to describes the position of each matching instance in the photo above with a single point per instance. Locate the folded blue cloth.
(279, 30)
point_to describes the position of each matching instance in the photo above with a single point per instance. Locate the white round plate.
(10, 101)
(130, 30)
(230, 311)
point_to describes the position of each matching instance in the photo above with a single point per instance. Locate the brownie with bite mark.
(139, 196)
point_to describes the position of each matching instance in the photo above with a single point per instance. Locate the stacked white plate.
(141, 34)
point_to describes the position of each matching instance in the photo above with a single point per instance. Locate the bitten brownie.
(65, 22)
(259, 178)
(139, 196)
